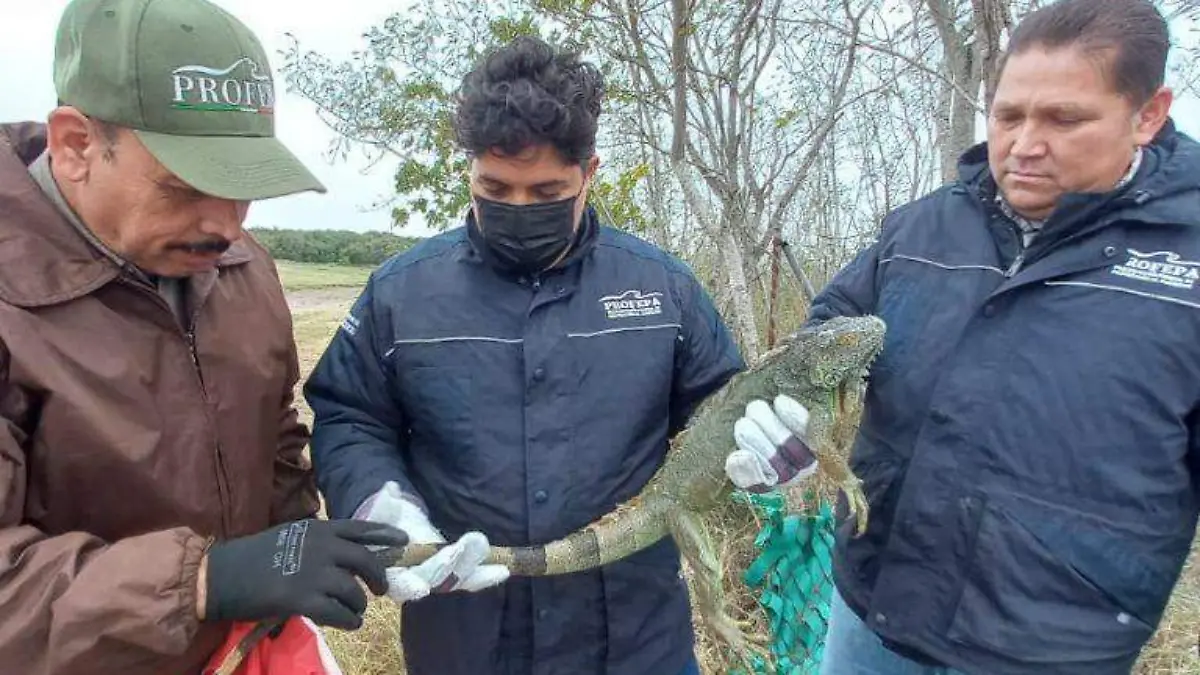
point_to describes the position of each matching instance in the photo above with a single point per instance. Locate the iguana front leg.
(823, 438)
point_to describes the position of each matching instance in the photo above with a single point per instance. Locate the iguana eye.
(824, 378)
(848, 340)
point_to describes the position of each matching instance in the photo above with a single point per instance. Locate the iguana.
(821, 367)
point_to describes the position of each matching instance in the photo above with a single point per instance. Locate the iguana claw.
(859, 506)
(750, 632)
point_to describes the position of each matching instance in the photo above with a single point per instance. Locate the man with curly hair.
(512, 380)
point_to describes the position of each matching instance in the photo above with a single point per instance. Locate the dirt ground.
(321, 299)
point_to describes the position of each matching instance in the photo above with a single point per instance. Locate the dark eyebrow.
(177, 186)
(546, 186)
(1004, 106)
(172, 182)
(1068, 109)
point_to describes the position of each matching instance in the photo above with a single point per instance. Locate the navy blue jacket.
(524, 408)
(1031, 433)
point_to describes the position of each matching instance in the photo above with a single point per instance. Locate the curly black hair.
(528, 93)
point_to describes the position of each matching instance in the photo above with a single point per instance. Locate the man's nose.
(224, 218)
(522, 198)
(1029, 141)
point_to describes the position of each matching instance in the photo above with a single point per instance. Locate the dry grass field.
(320, 296)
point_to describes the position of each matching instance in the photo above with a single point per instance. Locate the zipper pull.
(537, 283)
(191, 338)
(1016, 265)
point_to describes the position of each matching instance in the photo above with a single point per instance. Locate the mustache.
(218, 246)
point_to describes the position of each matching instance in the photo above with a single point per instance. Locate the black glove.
(305, 568)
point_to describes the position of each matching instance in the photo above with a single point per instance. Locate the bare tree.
(736, 100)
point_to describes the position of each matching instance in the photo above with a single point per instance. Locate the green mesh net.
(792, 578)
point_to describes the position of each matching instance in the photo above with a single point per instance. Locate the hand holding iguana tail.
(818, 371)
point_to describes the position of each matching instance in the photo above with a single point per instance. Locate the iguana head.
(832, 353)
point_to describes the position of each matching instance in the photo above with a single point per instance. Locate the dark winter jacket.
(524, 409)
(1031, 436)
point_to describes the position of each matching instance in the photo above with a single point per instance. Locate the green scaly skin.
(821, 368)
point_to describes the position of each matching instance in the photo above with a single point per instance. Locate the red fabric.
(299, 649)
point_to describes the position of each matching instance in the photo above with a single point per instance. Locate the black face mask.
(527, 238)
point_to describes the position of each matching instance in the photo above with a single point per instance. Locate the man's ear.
(593, 166)
(1150, 119)
(74, 142)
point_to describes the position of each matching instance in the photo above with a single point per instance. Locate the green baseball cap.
(191, 81)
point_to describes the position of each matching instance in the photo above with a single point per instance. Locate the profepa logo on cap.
(203, 88)
(191, 80)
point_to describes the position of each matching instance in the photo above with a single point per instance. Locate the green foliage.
(301, 276)
(338, 247)
(396, 98)
(615, 200)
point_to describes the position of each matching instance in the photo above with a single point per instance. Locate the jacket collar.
(44, 260)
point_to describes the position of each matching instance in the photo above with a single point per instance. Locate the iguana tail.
(626, 530)
(629, 528)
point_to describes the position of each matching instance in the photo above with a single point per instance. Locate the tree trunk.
(992, 22)
(743, 303)
(970, 56)
(773, 293)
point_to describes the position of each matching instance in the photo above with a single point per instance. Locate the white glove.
(455, 568)
(771, 447)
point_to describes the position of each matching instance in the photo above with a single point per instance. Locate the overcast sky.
(331, 28)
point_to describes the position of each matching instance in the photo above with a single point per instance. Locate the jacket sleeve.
(851, 292)
(707, 356)
(358, 428)
(1193, 458)
(73, 602)
(295, 488)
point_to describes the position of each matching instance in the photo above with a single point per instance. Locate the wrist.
(401, 510)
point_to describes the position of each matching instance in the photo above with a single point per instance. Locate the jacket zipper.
(191, 340)
(223, 492)
(1016, 265)
(189, 336)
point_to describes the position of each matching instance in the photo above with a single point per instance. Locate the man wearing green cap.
(153, 487)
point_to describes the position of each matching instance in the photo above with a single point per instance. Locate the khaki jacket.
(128, 441)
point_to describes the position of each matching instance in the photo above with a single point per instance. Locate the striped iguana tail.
(628, 529)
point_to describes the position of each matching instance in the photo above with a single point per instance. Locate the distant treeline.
(341, 247)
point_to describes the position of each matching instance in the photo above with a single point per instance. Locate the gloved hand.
(771, 447)
(304, 568)
(455, 568)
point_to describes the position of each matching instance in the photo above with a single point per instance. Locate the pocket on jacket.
(1023, 598)
(647, 603)
(437, 403)
(455, 634)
